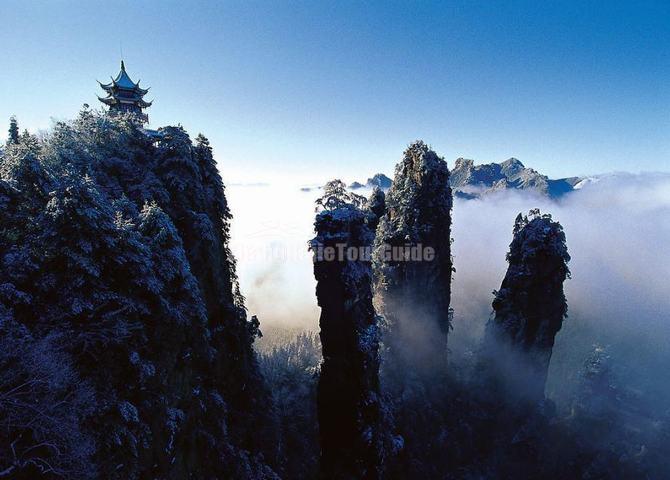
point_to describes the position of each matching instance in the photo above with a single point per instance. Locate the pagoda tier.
(124, 95)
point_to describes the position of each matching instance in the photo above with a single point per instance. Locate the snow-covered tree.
(336, 195)
(120, 247)
(291, 370)
(13, 137)
(113, 150)
(43, 406)
(21, 167)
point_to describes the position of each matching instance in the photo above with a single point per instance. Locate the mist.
(618, 296)
(617, 230)
(269, 234)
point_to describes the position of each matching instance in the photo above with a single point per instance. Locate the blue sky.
(315, 90)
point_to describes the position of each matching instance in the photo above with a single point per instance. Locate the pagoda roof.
(123, 82)
(116, 100)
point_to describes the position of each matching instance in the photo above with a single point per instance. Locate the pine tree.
(13, 137)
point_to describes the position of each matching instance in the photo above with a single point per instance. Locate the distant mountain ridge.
(471, 181)
(378, 180)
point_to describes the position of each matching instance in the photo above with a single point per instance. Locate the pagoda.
(124, 95)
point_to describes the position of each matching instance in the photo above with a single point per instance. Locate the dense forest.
(126, 350)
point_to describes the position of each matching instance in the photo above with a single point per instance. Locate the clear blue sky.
(317, 90)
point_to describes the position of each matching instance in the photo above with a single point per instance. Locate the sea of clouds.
(617, 229)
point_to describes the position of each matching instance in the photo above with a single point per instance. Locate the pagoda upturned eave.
(110, 101)
(113, 86)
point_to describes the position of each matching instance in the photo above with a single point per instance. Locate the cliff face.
(117, 254)
(414, 291)
(530, 305)
(200, 211)
(348, 395)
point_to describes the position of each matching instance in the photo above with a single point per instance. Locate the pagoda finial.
(124, 95)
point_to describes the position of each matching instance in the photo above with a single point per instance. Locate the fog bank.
(617, 230)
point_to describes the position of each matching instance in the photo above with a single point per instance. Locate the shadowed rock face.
(377, 207)
(529, 307)
(348, 391)
(415, 294)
